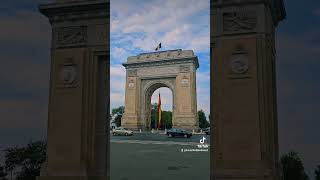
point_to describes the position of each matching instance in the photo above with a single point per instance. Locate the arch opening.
(151, 120)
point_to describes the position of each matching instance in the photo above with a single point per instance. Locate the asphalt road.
(160, 137)
(146, 156)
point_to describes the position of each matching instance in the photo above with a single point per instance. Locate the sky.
(139, 26)
(25, 60)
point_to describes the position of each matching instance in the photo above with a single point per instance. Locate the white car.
(122, 131)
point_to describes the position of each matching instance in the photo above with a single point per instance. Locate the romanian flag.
(159, 111)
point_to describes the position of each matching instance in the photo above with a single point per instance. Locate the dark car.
(174, 132)
(207, 130)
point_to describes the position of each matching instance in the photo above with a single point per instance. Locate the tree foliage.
(154, 114)
(3, 173)
(317, 173)
(166, 117)
(27, 160)
(292, 167)
(118, 112)
(203, 123)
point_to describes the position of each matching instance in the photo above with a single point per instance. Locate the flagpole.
(159, 120)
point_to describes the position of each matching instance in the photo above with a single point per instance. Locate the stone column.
(77, 124)
(186, 115)
(245, 141)
(130, 117)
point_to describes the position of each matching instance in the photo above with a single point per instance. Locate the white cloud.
(117, 85)
(117, 99)
(203, 76)
(118, 51)
(201, 43)
(138, 25)
(117, 71)
(175, 23)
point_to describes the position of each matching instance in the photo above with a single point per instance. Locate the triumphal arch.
(243, 89)
(175, 69)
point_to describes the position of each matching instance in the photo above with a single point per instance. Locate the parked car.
(122, 131)
(174, 132)
(207, 130)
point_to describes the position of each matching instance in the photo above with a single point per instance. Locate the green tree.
(292, 167)
(26, 159)
(118, 112)
(166, 118)
(317, 173)
(3, 174)
(154, 114)
(203, 123)
(12, 159)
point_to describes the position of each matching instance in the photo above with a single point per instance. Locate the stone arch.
(175, 69)
(150, 87)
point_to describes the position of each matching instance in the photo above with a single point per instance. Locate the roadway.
(153, 156)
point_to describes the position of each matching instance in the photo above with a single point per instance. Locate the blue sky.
(139, 26)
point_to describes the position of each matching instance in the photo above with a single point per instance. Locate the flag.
(159, 110)
(158, 47)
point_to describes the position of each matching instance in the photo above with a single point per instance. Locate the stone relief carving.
(185, 81)
(71, 16)
(184, 68)
(163, 55)
(131, 83)
(71, 36)
(67, 75)
(239, 21)
(239, 63)
(132, 72)
(161, 63)
(160, 71)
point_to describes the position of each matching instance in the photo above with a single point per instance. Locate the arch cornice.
(162, 62)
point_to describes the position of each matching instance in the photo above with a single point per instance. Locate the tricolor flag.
(159, 111)
(158, 47)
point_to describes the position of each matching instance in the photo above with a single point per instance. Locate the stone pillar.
(130, 117)
(77, 124)
(186, 115)
(244, 89)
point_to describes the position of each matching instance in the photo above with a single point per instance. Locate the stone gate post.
(77, 138)
(245, 134)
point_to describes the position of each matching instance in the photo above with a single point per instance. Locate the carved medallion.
(68, 74)
(131, 84)
(239, 63)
